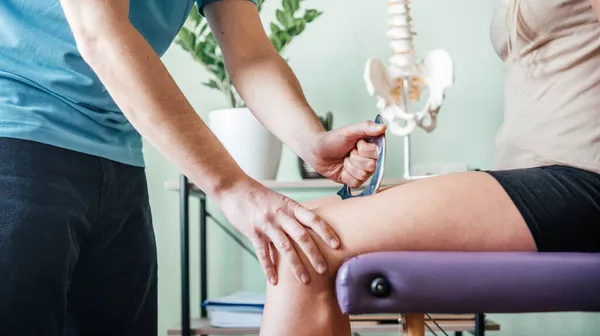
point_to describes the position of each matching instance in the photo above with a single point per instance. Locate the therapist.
(81, 83)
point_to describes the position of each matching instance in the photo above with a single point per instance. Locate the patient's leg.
(321, 202)
(465, 211)
(331, 200)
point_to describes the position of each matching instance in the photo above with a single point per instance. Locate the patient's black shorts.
(561, 206)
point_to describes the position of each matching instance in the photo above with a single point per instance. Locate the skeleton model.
(401, 84)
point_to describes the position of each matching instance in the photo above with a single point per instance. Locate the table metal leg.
(480, 324)
(185, 254)
(203, 255)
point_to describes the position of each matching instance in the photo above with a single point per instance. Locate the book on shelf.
(238, 310)
(235, 319)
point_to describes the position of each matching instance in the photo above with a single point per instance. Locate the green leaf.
(295, 5)
(214, 59)
(187, 39)
(214, 68)
(275, 28)
(218, 69)
(179, 41)
(210, 50)
(276, 43)
(280, 17)
(284, 18)
(291, 6)
(197, 39)
(182, 45)
(203, 28)
(195, 15)
(222, 74)
(191, 41)
(298, 27)
(211, 41)
(287, 6)
(202, 51)
(212, 84)
(183, 33)
(284, 36)
(198, 50)
(259, 3)
(311, 14)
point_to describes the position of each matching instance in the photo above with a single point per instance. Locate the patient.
(544, 194)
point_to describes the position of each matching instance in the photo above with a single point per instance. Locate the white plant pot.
(252, 146)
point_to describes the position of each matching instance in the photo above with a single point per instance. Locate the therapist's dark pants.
(77, 248)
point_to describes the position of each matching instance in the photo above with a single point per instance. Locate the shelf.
(301, 184)
(203, 327)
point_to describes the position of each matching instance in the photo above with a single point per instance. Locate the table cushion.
(466, 282)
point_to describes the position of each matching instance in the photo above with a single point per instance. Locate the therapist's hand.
(343, 155)
(271, 220)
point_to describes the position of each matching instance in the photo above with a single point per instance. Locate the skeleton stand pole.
(407, 155)
(406, 89)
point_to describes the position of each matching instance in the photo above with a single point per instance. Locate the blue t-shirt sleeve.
(202, 3)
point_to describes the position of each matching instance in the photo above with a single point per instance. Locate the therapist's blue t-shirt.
(49, 94)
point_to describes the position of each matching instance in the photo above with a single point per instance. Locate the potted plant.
(253, 147)
(306, 171)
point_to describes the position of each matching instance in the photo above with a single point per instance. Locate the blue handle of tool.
(377, 177)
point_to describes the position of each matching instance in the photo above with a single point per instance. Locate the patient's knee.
(285, 268)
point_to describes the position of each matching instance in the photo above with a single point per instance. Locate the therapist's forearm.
(142, 87)
(271, 90)
(264, 80)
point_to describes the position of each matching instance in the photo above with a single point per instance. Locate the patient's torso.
(552, 89)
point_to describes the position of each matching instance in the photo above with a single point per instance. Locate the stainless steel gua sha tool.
(377, 177)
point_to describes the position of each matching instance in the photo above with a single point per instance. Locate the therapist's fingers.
(350, 180)
(362, 162)
(265, 257)
(367, 149)
(286, 249)
(305, 242)
(309, 219)
(359, 175)
(273, 254)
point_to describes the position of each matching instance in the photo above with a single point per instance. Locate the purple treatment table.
(412, 284)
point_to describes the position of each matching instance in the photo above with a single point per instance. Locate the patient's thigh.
(321, 202)
(453, 212)
(462, 211)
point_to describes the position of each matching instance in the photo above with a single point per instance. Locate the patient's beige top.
(552, 91)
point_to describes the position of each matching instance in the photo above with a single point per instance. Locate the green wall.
(329, 61)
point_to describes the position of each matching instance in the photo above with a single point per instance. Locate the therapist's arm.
(143, 89)
(262, 77)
